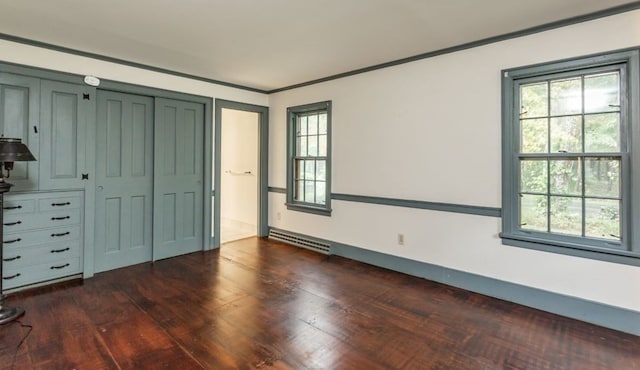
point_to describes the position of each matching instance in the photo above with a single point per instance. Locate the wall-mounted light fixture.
(92, 80)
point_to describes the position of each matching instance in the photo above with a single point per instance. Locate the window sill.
(308, 209)
(606, 255)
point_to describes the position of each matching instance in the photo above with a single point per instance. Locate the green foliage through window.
(571, 155)
(568, 129)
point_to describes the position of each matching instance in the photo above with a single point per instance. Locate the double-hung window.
(571, 157)
(309, 158)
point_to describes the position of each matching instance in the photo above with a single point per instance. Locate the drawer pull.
(59, 218)
(11, 241)
(59, 267)
(12, 259)
(60, 204)
(60, 250)
(11, 277)
(13, 223)
(60, 234)
(12, 207)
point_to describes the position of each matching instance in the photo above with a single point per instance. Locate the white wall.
(431, 131)
(240, 147)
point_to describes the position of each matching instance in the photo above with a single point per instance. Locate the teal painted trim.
(433, 206)
(43, 73)
(634, 116)
(612, 317)
(395, 202)
(105, 58)
(309, 209)
(601, 254)
(627, 251)
(292, 115)
(489, 40)
(264, 170)
(576, 308)
(155, 92)
(208, 175)
(263, 123)
(89, 211)
(105, 84)
(217, 170)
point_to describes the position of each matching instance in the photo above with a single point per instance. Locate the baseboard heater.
(299, 241)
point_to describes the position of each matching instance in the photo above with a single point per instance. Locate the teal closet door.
(65, 112)
(19, 117)
(124, 180)
(178, 178)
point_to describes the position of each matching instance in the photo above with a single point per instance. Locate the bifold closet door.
(124, 180)
(178, 178)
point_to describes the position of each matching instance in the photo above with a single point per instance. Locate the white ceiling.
(270, 44)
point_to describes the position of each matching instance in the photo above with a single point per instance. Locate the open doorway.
(239, 172)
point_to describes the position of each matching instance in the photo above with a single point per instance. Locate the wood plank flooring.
(258, 304)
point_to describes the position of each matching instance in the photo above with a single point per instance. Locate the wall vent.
(299, 241)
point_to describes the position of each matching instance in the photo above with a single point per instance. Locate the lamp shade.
(13, 150)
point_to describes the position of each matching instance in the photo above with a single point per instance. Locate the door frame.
(263, 164)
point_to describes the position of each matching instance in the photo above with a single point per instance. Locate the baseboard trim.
(596, 313)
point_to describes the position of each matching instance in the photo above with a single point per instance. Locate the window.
(309, 161)
(571, 162)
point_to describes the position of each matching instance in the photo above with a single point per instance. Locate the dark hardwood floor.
(262, 304)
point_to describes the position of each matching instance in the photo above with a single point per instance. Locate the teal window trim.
(626, 249)
(299, 154)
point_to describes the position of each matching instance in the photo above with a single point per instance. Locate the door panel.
(64, 115)
(19, 115)
(178, 188)
(124, 180)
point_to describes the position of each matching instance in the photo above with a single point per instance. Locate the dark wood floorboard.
(257, 304)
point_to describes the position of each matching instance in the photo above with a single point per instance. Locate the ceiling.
(271, 44)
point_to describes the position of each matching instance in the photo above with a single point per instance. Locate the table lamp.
(11, 150)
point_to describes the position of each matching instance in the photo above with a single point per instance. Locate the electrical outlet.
(400, 239)
(279, 216)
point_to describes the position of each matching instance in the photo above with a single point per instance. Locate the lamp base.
(8, 314)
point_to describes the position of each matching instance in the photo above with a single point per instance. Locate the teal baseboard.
(608, 316)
